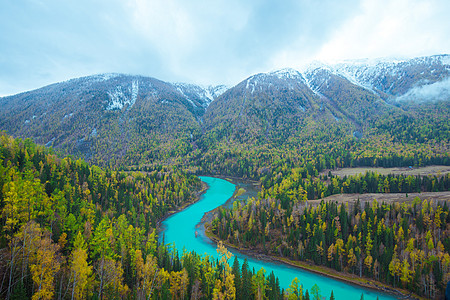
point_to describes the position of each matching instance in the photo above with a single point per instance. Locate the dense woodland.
(105, 218)
(403, 244)
(74, 231)
(418, 136)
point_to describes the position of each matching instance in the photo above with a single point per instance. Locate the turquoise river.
(179, 229)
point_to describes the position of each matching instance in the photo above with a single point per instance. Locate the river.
(180, 229)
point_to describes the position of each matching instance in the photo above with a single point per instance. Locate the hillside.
(76, 231)
(105, 118)
(287, 129)
(122, 120)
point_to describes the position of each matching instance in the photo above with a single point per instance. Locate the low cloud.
(206, 42)
(438, 91)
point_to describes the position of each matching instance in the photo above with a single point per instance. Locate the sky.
(206, 41)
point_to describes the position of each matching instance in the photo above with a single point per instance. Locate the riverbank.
(185, 205)
(181, 230)
(320, 270)
(245, 188)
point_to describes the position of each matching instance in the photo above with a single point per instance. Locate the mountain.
(261, 107)
(133, 120)
(391, 79)
(108, 116)
(356, 93)
(343, 97)
(276, 106)
(200, 96)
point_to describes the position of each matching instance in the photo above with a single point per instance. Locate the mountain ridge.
(137, 119)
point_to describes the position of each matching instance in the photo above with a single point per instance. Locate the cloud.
(223, 41)
(438, 91)
(396, 28)
(197, 41)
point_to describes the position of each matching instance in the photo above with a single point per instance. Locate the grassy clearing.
(394, 197)
(423, 171)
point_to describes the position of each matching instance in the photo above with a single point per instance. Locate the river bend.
(180, 229)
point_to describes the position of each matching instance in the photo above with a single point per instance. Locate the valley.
(219, 191)
(91, 166)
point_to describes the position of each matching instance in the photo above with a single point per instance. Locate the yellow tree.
(112, 278)
(230, 289)
(44, 268)
(331, 252)
(80, 269)
(24, 200)
(101, 245)
(395, 266)
(437, 221)
(217, 290)
(160, 280)
(368, 262)
(225, 289)
(178, 284)
(225, 255)
(295, 290)
(351, 262)
(406, 273)
(146, 274)
(21, 249)
(340, 250)
(209, 271)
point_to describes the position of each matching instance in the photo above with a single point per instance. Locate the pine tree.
(307, 295)
(237, 278)
(246, 281)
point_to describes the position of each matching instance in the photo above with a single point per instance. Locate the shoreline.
(364, 282)
(320, 270)
(197, 197)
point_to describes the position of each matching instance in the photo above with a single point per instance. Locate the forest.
(76, 231)
(403, 244)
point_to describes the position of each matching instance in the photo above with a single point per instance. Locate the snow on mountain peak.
(287, 73)
(200, 96)
(218, 90)
(104, 76)
(315, 65)
(119, 98)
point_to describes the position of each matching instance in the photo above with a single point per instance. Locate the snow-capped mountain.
(200, 96)
(393, 78)
(423, 78)
(108, 115)
(288, 79)
(110, 109)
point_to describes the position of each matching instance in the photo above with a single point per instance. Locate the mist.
(438, 91)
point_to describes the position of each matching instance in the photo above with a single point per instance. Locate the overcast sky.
(206, 42)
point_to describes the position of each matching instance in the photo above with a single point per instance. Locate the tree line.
(308, 187)
(402, 244)
(75, 231)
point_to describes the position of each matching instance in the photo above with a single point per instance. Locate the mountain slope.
(393, 78)
(134, 120)
(105, 117)
(262, 108)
